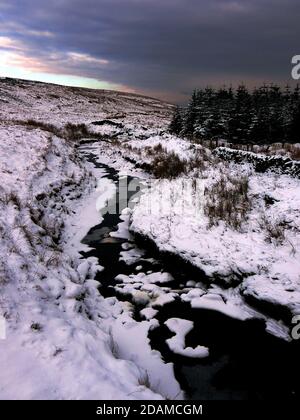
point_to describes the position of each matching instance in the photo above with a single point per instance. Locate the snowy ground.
(259, 260)
(264, 262)
(62, 104)
(63, 339)
(151, 290)
(226, 253)
(61, 334)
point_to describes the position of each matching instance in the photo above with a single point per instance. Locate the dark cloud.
(160, 46)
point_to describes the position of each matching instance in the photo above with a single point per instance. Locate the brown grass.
(75, 131)
(113, 346)
(274, 230)
(201, 160)
(168, 165)
(145, 380)
(33, 124)
(10, 197)
(68, 132)
(228, 200)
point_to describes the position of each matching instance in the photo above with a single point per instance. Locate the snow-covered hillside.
(238, 227)
(62, 104)
(58, 327)
(250, 242)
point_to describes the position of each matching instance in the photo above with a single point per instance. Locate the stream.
(244, 363)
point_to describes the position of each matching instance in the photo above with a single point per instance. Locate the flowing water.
(245, 362)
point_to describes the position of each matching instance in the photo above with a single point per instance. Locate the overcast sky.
(163, 48)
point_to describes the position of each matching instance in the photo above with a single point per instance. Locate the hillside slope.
(62, 104)
(58, 341)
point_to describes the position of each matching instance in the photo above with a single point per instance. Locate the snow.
(156, 278)
(175, 221)
(284, 291)
(63, 339)
(35, 101)
(191, 283)
(140, 298)
(169, 143)
(87, 215)
(132, 339)
(163, 299)
(216, 303)
(53, 349)
(123, 232)
(181, 327)
(275, 163)
(147, 289)
(58, 341)
(171, 214)
(131, 256)
(106, 189)
(148, 313)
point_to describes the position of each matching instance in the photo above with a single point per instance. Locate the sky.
(161, 48)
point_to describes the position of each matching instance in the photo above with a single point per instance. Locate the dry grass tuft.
(75, 131)
(275, 230)
(68, 132)
(168, 165)
(10, 197)
(113, 346)
(228, 200)
(145, 380)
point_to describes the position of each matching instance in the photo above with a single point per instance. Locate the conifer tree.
(266, 115)
(191, 116)
(294, 129)
(176, 123)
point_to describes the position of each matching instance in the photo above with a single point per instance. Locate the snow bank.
(181, 327)
(132, 343)
(261, 163)
(215, 302)
(146, 289)
(250, 257)
(58, 326)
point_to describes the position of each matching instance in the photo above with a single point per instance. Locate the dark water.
(245, 362)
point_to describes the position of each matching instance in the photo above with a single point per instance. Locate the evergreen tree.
(176, 124)
(294, 129)
(191, 115)
(264, 116)
(241, 116)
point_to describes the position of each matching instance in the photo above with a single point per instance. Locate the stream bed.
(244, 363)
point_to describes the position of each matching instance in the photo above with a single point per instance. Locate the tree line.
(267, 114)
